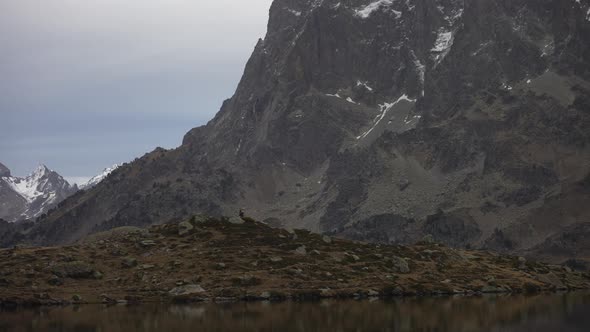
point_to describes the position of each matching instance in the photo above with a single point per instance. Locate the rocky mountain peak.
(31, 196)
(41, 171)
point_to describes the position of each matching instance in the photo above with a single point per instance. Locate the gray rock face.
(383, 122)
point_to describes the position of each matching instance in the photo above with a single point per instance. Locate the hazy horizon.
(90, 84)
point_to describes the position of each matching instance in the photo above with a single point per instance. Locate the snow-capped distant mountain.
(98, 178)
(31, 196)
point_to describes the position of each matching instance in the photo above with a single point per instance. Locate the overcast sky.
(89, 83)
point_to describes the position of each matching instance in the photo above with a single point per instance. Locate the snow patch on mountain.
(30, 187)
(368, 10)
(41, 190)
(446, 34)
(384, 109)
(98, 178)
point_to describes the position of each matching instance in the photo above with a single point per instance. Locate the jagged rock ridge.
(383, 121)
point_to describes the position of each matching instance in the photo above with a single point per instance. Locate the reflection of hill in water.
(561, 312)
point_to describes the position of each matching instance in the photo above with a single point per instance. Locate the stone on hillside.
(236, 220)
(276, 259)
(129, 262)
(247, 281)
(107, 299)
(552, 279)
(429, 239)
(198, 219)
(74, 270)
(327, 239)
(184, 228)
(186, 290)
(521, 263)
(55, 281)
(492, 289)
(403, 184)
(400, 265)
(372, 293)
(301, 251)
(147, 243)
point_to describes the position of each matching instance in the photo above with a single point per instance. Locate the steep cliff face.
(383, 121)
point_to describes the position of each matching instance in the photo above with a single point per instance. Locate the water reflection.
(561, 312)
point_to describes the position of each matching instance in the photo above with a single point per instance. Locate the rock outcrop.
(222, 261)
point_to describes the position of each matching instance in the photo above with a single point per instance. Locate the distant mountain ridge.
(99, 177)
(27, 198)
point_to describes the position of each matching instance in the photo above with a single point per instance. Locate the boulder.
(552, 280)
(199, 219)
(400, 265)
(327, 239)
(492, 289)
(147, 243)
(301, 251)
(55, 281)
(74, 270)
(186, 290)
(246, 281)
(276, 259)
(107, 299)
(521, 263)
(129, 262)
(428, 239)
(184, 228)
(236, 220)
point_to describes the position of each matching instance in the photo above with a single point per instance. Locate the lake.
(544, 312)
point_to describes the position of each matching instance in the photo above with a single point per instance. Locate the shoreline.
(23, 303)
